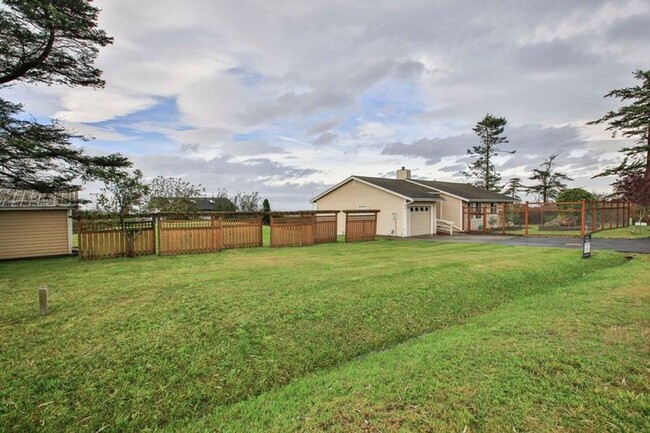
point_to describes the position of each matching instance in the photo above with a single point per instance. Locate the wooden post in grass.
(526, 220)
(583, 217)
(42, 300)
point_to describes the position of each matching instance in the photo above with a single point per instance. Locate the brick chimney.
(403, 174)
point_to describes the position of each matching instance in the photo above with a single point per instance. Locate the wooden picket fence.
(189, 236)
(105, 238)
(528, 218)
(170, 234)
(360, 225)
(302, 228)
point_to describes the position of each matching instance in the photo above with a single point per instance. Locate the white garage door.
(420, 220)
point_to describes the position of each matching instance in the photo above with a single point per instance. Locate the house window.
(476, 211)
(493, 208)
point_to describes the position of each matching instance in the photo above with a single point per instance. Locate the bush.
(575, 194)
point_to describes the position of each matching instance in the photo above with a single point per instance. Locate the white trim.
(69, 231)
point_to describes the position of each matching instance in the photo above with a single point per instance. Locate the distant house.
(410, 207)
(197, 204)
(34, 224)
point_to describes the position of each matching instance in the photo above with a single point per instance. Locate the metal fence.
(546, 218)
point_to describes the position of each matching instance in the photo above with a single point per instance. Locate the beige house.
(413, 207)
(34, 224)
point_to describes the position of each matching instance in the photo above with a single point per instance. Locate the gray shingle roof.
(466, 191)
(12, 198)
(403, 187)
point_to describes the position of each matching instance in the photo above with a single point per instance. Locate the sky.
(288, 98)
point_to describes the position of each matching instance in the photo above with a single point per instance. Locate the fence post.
(42, 300)
(526, 220)
(484, 219)
(594, 206)
(629, 212)
(583, 217)
(79, 239)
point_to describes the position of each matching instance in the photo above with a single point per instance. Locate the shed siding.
(355, 194)
(31, 233)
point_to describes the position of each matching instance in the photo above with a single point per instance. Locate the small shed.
(34, 224)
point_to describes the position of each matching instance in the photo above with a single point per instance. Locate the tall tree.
(635, 187)
(48, 42)
(513, 186)
(550, 182)
(632, 121)
(266, 208)
(490, 131)
(172, 195)
(247, 202)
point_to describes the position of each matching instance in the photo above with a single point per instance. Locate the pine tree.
(632, 121)
(513, 186)
(490, 131)
(549, 182)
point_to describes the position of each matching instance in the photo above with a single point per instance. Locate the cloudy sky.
(290, 97)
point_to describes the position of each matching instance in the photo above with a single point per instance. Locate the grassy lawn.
(387, 335)
(631, 232)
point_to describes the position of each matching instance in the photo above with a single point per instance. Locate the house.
(412, 207)
(197, 204)
(34, 224)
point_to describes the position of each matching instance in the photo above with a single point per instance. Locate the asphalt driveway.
(623, 245)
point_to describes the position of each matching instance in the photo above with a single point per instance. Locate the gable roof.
(396, 187)
(465, 191)
(26, 199)
(214, 203)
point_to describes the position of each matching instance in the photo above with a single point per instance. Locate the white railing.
(445, 227)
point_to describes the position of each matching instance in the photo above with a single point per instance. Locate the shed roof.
(26, 199)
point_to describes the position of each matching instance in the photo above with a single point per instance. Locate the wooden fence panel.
(326, 228)
(243, 231)
(360, 225)
(103, 238)
(293, 229)
(189, 236)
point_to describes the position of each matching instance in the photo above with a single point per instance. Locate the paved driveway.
(622, 245)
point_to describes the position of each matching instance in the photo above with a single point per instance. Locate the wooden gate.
(360, 225)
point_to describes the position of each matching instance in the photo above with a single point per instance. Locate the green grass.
(632, 232)
(238, 340)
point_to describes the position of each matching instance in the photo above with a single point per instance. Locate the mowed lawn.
(381, 336)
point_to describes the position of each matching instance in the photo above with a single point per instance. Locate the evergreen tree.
(632, 121)
(48, 42)
(513, 186)
(266, 208)
(490, 131)
(549, 182)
